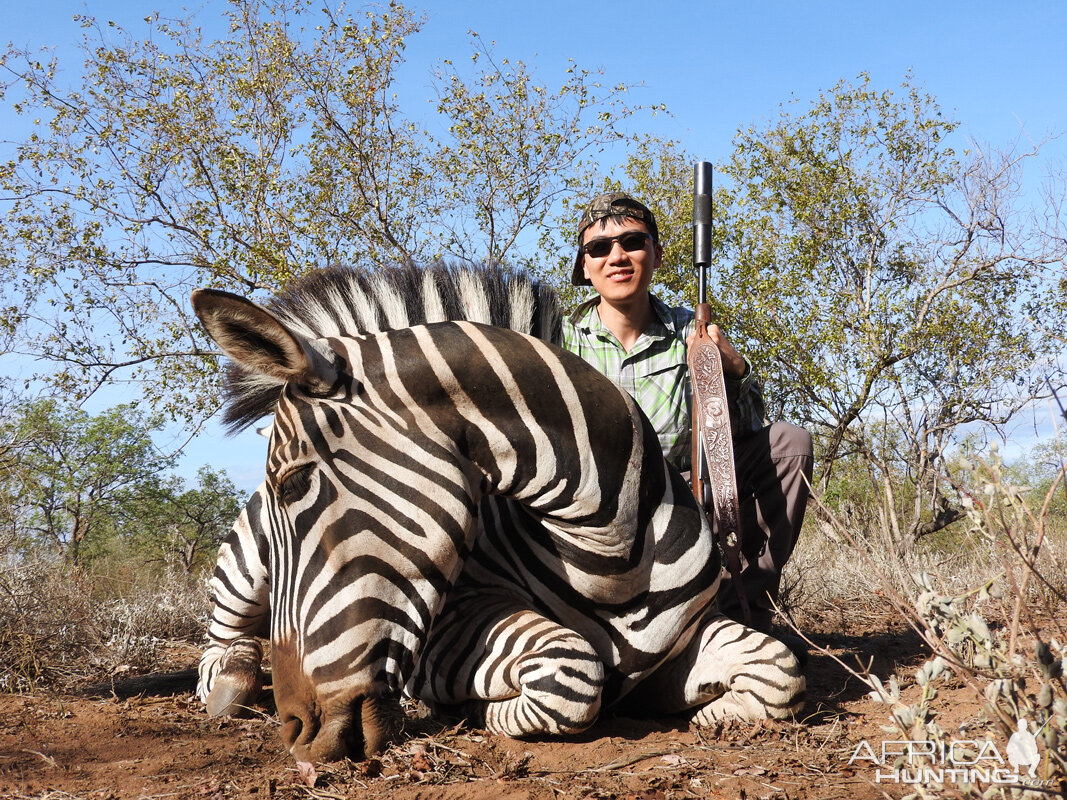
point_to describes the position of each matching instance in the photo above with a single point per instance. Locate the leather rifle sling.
(711, 413)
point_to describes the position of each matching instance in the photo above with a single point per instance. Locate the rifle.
(712, 441)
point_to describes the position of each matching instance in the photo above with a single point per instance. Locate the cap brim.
(578, 274)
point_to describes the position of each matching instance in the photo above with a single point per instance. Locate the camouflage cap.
(603, 206)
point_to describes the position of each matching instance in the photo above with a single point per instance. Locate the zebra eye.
(295, 484)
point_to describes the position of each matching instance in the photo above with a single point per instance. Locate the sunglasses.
(631, 241)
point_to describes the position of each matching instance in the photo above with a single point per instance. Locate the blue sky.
(996, 67)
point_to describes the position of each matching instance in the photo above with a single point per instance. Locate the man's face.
(620, 274)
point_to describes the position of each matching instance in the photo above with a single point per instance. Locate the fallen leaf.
(308, 775)
(750, 771)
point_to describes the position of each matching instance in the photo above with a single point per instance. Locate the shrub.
(58, 628)
(992, 620)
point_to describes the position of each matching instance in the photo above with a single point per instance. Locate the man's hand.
(733, 365)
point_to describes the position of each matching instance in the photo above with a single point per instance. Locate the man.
(639, 342)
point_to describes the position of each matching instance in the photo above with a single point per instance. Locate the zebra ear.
(261, 343)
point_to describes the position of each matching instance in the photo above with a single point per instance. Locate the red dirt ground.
(148, 738)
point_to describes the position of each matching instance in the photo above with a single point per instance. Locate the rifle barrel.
(703, 179)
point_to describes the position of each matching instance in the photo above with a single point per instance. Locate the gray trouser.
(773, 477)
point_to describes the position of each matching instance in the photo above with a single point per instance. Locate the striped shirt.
(656, 375)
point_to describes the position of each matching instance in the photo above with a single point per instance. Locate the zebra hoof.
(233, 694)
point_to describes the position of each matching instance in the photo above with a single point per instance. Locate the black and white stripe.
(472, 515)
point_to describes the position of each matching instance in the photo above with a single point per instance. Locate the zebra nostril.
(292, 727)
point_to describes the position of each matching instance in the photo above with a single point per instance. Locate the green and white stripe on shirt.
(656, 375)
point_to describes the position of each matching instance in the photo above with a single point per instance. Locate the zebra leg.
(510, 669)
(237, 681)
(230, 678)
(727, 671)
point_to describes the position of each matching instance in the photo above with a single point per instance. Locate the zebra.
(475, 517)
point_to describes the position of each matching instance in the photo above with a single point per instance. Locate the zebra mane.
(348, 301)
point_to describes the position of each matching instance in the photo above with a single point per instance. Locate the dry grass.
(56, 632)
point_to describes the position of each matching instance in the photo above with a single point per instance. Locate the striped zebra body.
(478, 517)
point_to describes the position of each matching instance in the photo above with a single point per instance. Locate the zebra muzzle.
(357, 728)
(355, 718)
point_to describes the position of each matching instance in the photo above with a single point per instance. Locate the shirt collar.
(663, 323)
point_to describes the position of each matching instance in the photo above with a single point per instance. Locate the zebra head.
(346, 620)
